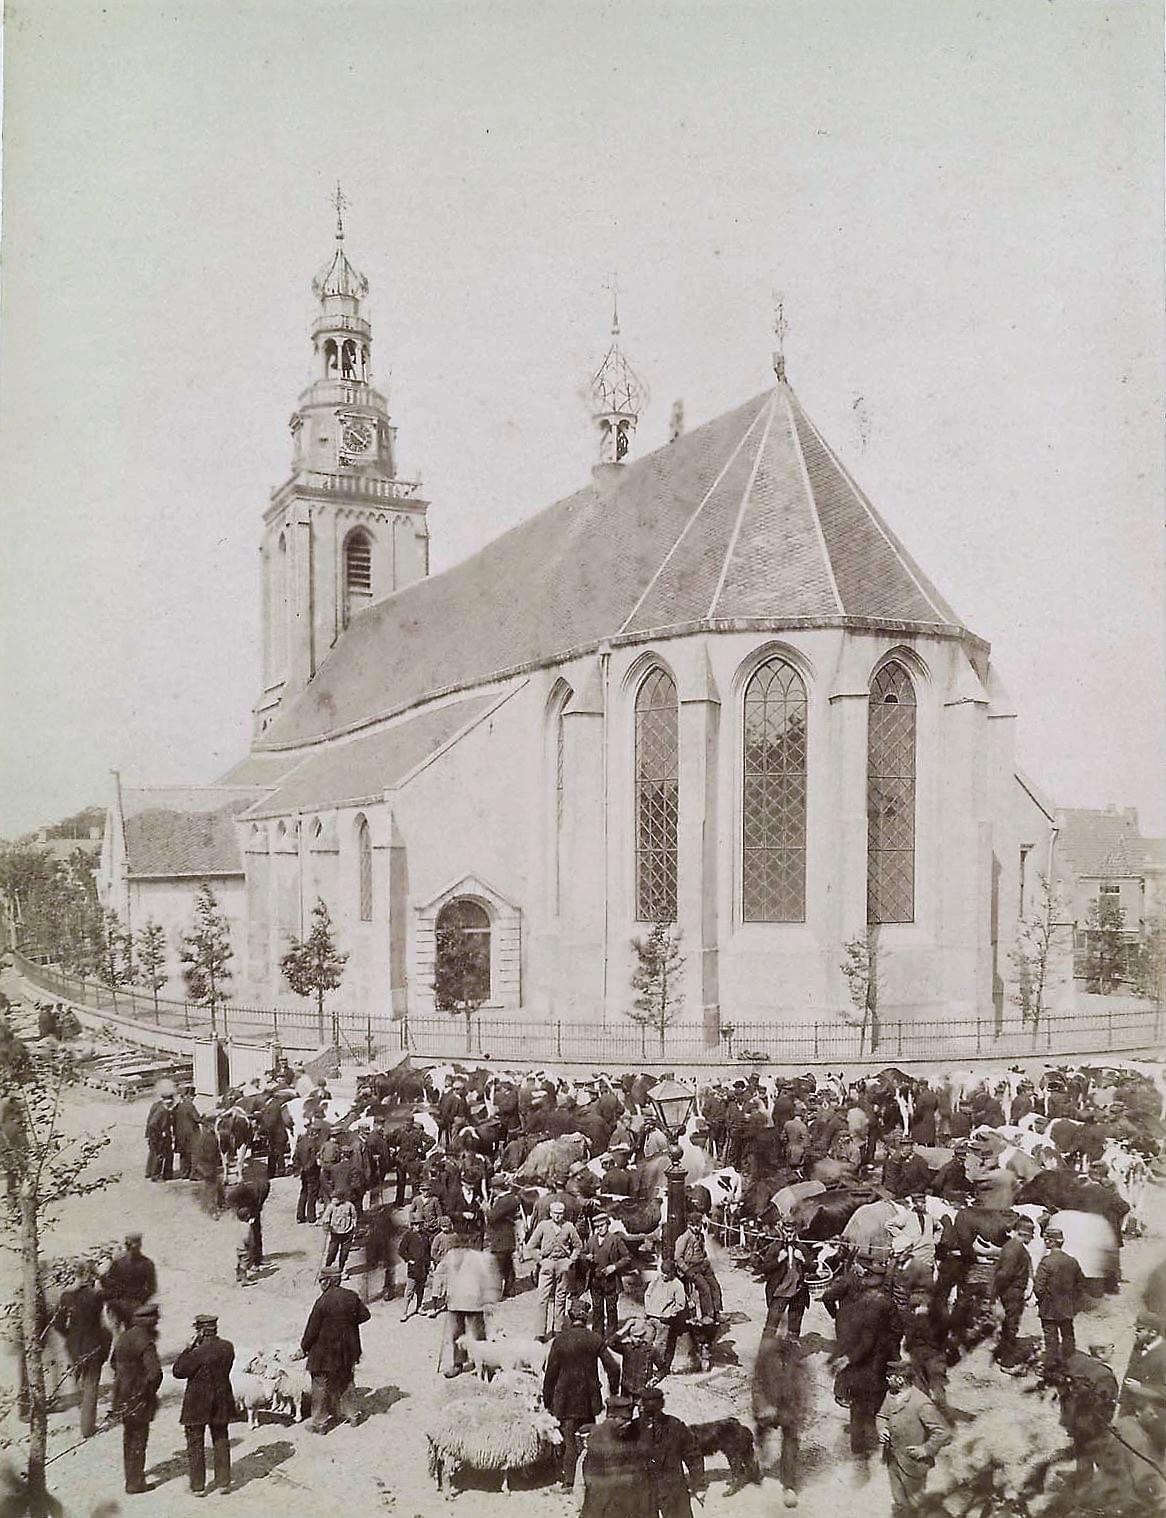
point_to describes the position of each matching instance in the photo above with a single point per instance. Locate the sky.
(960, 206)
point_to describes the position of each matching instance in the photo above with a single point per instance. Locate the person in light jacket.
(469, 1281)
(912, 1431)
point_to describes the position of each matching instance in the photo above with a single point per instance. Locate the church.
(711, 689)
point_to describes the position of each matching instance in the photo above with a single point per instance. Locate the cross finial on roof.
(780, 328)
(612, 286)
(341, 202)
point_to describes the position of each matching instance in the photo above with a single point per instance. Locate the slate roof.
(749, 518)
(360, 769)
(1104, 843)
(184, 830)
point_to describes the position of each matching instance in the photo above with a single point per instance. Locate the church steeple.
(343, 531)
(618, 396)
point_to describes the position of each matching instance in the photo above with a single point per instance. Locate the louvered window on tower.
(657, 797)
(890, 797)
(773, 800)
(357, 574)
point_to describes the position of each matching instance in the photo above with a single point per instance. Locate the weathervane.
(341, 202)
(780, 328)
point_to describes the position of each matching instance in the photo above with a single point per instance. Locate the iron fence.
(372, 1035)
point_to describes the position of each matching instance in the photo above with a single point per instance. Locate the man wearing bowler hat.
(205, 1366)
(667, 1451)
(137, 1375)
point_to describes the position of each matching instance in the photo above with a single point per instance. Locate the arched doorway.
(461, 979)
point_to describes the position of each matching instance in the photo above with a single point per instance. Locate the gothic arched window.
(364, 869)
(890, 797)
(657, 797)
(773, 799)
(462, 968)
(357, 573)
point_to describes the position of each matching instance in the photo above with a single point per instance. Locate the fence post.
(368, 1035)
(643, 1041)
(979, 1021)
(815, 1040)
(899, 1043)
(1109, 1027)
(558, 1040)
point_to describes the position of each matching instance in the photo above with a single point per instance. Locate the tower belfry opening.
(618, 396)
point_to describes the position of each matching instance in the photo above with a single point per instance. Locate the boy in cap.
(208, 1402)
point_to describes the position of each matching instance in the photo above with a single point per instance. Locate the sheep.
(252, 1393)
(293, 1392)
(503, 1353)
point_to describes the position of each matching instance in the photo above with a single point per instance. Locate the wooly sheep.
(488, 1429)
(504, 1353)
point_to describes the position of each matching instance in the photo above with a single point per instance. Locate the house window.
(1111, 889)
(773, 796)
(364, 868)
(357, 573)
(657, 797)
(462, 970)
(890, 797)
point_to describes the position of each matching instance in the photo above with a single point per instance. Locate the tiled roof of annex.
(747, 519)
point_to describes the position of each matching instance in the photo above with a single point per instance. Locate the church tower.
(342, 531)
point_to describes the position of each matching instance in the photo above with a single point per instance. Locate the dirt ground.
(380, 1467)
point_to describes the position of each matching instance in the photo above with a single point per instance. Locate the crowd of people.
(896, 1184)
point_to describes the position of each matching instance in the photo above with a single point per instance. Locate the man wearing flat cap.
(912, 1431)
(667, 1452)
(130, 1281)
(208, 1402)
(331, 1342)
(571, 1383)
(613, 1474)
(137, 1375)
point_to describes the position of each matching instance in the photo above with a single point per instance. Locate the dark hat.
(147, 1311)
(652, 1396)
(1054, 1233)
(206, 1320)
(133, 1238)
(619, 1404)
(900, 1368)
(329, 1272)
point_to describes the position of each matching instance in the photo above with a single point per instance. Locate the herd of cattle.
(1053, 1158)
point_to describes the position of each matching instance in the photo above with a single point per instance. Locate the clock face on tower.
(357, 439)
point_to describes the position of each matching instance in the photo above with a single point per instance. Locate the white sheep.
(504, 1353)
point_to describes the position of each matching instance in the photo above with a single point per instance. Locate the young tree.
(151, 944)
(206, 955)
(1151, 960)
(117, 963)
(1032, 954)
(657, 980)
(43, 1166)
(461, 977)
(1105, 950)
(861, 964)
(314, 965)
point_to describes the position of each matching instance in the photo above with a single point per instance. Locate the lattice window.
(890, 798)
(364, 856)
(773, 802)
(657, 797)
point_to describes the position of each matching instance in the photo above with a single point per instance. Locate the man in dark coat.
(185, 1123)
(331, 1342)
(137, 1375)
(606, 1257)
(905, 1172)
(1010, 1287)
(412, 1145)
(613, 1473)
(785, 1266)
(78, 1319)
(306, 1162)
(273, 1126)
(867, 1338)
(571, 1383)
(205, 1366)
(672, 1462)
(160, 1140)
(130, 1281)
(1059, 1286)
(452, 1111)
(501, 1239)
